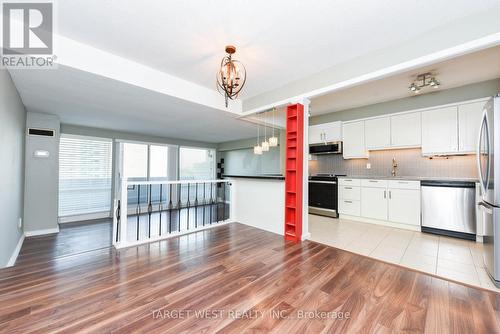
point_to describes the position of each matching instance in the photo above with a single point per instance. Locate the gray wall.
(12, 125)
(41, 176)
(239, 158)
(468, 92)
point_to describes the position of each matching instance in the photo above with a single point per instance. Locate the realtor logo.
(27, 28)
(28, 35)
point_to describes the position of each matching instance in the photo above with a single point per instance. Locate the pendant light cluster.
(272, 141)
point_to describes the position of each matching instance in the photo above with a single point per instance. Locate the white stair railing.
(147, 211)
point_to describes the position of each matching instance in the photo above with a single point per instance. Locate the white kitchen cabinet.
(316, 134)
(326, 132)
(378, 133)
(404, 206)
(440, 131)
(374, 203)
(349, 207)
(406, 130)
(354, 140)
(349, 193)
(469, 119)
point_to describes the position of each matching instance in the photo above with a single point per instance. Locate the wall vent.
(41, 132)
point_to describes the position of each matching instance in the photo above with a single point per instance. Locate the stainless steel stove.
(323, 195)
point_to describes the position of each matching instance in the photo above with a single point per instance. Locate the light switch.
(368, 165)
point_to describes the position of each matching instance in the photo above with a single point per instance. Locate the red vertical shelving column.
(294, 171)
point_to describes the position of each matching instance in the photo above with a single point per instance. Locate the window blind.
(85, 171)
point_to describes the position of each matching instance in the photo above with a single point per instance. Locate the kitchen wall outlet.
(368, 165)
(20, 223)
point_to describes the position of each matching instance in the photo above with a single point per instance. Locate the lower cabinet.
(349, 207)
(404, 206)
(374, 203)
(393, 202)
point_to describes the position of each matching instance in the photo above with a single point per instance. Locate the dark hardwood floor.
(165, 287)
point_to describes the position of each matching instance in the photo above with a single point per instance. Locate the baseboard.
(306, 236)
(380, 222)
(90, 216)
(16, 251)
(41, 232)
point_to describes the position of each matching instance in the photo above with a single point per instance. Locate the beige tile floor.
(456, 259)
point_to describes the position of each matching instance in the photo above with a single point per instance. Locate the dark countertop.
(261, 177)
(411, 178)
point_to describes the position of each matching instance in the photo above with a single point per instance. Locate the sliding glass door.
(85, 174)
(145, 162)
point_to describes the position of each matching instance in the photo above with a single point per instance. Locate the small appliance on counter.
(488, 152)
(323, 195)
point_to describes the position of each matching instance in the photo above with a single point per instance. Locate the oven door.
(323, 197)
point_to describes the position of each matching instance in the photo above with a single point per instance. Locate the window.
(84, 175)
(135, 161)
(143, 162)
(196, 164)
(158, 162)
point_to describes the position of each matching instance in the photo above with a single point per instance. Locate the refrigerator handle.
(484, 121)
(486, 208)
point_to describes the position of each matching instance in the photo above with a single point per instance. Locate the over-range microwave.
(326, 148)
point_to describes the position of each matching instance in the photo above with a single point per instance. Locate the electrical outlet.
(20, 223)
(368, 165)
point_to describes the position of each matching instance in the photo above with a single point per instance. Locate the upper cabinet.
(447, 130)
(469, 118)
(326, 132)
(354, 140)
(440, 131)
(378, 133)
(406, 130)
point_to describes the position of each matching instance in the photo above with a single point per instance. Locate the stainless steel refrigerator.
(488, 152)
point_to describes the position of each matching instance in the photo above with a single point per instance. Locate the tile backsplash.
(410, 163)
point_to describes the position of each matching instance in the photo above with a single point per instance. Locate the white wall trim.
(89, 216)
(41, 232)
(435, 57)
(16, 251)
(306, 236)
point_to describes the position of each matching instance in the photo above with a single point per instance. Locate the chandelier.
(231, 76)
(424, 80)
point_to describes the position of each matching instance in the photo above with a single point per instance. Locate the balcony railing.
(147, 211)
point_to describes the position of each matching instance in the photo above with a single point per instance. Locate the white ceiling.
(279, 42)
(471, 68)
(85, 99)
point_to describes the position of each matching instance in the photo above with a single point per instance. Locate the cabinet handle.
(402, 182)
(373, 181)
(385, 193)
(347, 201)
(348, 188)
(390, 195)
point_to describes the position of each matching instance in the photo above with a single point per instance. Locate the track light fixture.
(423, 81)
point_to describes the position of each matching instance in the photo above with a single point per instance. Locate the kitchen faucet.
(394, 166)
